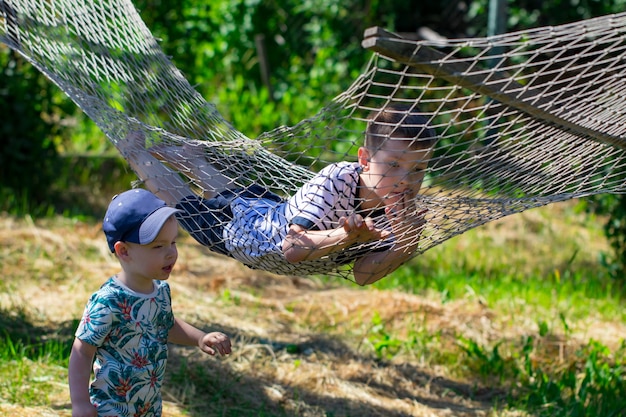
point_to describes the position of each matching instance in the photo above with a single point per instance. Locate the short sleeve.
(320, 203)
(96, 323)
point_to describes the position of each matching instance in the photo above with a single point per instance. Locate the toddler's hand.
(214, 342)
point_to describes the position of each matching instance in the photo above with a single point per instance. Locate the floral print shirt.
(130, 332)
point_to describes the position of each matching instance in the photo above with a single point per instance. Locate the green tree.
(312, 49)
(532, 13)
(29, 160)
(312, 52)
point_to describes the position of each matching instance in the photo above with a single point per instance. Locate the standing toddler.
(128, 322)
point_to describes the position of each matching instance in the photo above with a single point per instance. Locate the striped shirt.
(257, 226)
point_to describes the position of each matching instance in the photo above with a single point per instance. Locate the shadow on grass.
(207, 387)
(215, 388)
(21, 336)
(245, 384)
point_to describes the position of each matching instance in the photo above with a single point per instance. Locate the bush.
(29, 159)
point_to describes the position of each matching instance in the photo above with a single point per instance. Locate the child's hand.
(404, 217)
(362, 229)
(214, 342)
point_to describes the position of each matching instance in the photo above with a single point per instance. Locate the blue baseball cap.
(135, 216)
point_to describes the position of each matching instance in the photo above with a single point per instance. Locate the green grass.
(559, 287)
(547, 278)
(29, 373)
(591, 384)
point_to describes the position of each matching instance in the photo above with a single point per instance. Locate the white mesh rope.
(541, 122)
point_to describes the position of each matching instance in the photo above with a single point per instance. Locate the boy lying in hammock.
(350, 211)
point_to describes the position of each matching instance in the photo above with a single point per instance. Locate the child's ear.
(121, 250)
(363, 155)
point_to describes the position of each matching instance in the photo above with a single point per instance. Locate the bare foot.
(178, 157)
(190, 159)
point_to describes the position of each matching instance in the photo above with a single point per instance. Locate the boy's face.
(154, 260)
(394, 171)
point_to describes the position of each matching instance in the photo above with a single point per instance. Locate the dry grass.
(301, 347)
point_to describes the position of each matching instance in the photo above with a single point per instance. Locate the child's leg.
(162, 181)
(191, 161)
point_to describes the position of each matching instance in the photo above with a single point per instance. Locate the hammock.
(523, 119)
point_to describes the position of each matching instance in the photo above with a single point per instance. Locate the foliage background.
(533, 272)
(313, 53)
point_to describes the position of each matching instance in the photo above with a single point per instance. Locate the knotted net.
(521, 120)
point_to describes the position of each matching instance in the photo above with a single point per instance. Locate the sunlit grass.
(545, 257)
(539, 273)
(29, 374)
(512, 311)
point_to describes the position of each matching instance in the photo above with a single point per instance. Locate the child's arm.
(81, 360)
(183, 333)
(370, 268)
(302, 244)
(407, 226)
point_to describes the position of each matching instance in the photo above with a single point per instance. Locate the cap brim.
(152, 225)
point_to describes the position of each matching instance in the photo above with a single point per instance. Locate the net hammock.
(521, 120)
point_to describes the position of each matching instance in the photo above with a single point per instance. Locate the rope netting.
(518, 121)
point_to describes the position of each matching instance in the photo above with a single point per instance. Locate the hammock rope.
(544, 121)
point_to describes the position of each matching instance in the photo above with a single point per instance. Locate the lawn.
(515, 318)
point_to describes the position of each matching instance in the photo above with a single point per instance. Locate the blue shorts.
(204, 219)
